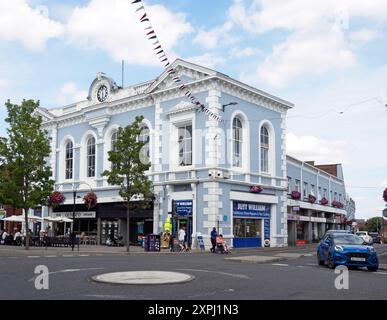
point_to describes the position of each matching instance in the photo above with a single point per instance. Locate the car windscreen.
(347, 239)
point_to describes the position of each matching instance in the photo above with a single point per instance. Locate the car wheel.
(330, 263)
(319, 261)
(372, 269)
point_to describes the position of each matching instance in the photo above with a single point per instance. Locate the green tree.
(128, 166)
(373, 224)
(25, 181)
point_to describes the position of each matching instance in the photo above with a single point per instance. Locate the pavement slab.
(255, 259)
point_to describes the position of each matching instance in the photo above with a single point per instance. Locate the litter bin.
(152, 243)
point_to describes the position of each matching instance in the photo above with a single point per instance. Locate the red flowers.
(295, 195)
(337, 204)
(256, 189)
(90, 200)
(312, 198)
(56, 199)
(385, 195)
(324, 201)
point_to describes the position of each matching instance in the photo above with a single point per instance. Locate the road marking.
(280, 264)
(241, 276)
(380, 272)
(68, 255)
(50, 256)
(84, 255)
(68, 270)
(33, 256)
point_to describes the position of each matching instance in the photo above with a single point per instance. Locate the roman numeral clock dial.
(102, 93)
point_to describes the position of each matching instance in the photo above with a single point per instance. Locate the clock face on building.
(102, 93)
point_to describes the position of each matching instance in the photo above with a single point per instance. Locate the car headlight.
(339, 248)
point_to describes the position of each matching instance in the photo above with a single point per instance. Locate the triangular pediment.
(44, 113)
(187, 71)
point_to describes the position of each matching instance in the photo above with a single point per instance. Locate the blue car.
(348, 250)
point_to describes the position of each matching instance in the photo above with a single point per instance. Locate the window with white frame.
(319, 192)
(264, 149)
(237, 138)
(91, 157)
(325, 193)
(185, 144)
(69, 160)
(312, 191)
(305, 191)
(297, 185)
(145, 138)
(335, 196)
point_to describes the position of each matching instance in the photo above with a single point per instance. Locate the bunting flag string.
(151, 35)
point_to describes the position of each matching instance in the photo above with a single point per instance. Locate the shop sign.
(78, 214)
(183, 207)
(292, 217)
(296, 209)
(251, 209)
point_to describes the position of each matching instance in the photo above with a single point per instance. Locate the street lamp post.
(75, 188)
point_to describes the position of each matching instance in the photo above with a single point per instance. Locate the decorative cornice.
(100, 124)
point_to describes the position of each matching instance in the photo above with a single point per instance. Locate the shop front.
(251, 224)
(84, 222)
(182, 217)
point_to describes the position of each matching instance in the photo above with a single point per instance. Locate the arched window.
(114, 141)
(91, 157)
(264, 149)
(145, 138)
(237, 138)
(69, 160)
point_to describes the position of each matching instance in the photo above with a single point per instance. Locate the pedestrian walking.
(214, 234)
(182, 235)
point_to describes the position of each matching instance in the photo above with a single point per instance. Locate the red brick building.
(7, 211)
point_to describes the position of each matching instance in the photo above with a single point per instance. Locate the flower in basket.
(385, 195)
(295, 195)
(337, 204)
(256, 189)
(90, 200)
(324, 201)
(312, 198)
(56, 199)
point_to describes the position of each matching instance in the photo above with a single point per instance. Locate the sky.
(328, 57)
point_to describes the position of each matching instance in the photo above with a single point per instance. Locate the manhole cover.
(143, 277)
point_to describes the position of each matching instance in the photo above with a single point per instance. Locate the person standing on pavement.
(214, 234)
(182, 239)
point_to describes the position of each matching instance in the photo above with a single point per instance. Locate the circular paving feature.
(143, 277)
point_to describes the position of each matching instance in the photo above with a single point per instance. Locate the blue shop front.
(251, 224)
(182, 217)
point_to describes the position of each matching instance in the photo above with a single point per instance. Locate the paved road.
(215, 278)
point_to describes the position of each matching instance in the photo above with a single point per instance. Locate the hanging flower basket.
(56, 199)
(90, 200)
(256, 189)
(385, 195)
(312, 198)
(295, 195)
(324, 201)
(337, 204)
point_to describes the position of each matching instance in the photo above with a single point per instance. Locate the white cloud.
(70, 93)
(210, 39)
(309, 148)
(318, 40)
(247, 52)
(363, 36)
(208, 60)
(383, 184)
(32, 27)
(311, 52)
(113, 26)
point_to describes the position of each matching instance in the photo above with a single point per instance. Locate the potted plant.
(312, 198)
(385, 195)
(256, 189)
(56, 199)
(90, 200)
(324, 201)
(295, 195)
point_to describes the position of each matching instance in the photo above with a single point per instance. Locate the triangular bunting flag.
(136, 1)
(141, 8)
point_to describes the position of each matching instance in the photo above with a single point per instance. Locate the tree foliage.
(373, 224)
(128, 166)
(25, 178)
